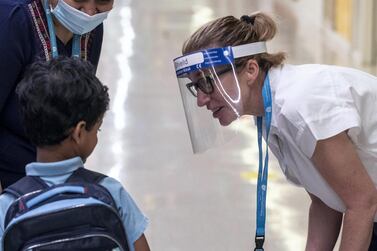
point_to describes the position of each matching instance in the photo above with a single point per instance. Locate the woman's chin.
(226, 121)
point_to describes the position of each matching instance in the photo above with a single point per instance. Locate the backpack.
(77, 215)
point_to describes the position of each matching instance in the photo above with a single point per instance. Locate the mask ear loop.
(222, 90)
(223, 93)
(237, 99)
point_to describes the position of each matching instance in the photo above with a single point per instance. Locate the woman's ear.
(252, 70)
(78, 131)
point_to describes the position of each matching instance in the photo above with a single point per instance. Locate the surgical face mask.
(75, 20)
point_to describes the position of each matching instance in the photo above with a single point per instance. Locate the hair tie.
(248, 19)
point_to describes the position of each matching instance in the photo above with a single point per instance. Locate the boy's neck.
(52, 154)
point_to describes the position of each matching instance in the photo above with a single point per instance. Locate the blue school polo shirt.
(24, 39)
(54, 173)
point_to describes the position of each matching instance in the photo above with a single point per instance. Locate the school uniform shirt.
(54, 173)
(24, 39)
(315, 102)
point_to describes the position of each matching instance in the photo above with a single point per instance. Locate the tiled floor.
(194, 202)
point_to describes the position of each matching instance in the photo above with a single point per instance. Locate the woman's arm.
(15, 47)
(338, 162)
(324, 226)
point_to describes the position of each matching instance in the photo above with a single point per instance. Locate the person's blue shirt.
(55, 173)
(24, 39)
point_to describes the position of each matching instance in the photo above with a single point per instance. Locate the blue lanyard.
(76, 46)
(263, 170)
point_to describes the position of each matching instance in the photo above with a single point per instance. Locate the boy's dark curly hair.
(55, 95)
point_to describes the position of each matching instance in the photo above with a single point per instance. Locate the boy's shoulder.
(114, 186)
(6, 201)
(121, 196)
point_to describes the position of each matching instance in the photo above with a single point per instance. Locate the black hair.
(55, 95)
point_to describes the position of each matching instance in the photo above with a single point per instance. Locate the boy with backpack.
(60, 205)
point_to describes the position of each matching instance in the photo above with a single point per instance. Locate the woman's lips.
(216, 112)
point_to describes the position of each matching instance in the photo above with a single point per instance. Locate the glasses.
(204, 84)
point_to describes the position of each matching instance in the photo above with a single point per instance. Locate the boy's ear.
(78, 131)
(252, 70)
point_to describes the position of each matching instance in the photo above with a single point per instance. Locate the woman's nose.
(202, 99)
(90, 9)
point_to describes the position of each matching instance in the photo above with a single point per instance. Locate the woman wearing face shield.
(319, 121)
(33, 30)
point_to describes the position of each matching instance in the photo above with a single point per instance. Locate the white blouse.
(315, 102)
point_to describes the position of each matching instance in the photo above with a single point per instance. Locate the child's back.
(63, 104)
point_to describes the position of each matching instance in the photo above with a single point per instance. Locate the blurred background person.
(33, 30)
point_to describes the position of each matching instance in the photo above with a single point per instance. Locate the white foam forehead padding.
(249, 49)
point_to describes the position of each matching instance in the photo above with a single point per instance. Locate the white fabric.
(249, 49)
(314, 102)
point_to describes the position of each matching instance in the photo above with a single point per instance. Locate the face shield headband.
(215, 57)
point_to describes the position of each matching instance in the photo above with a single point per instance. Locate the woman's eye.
(103, 2)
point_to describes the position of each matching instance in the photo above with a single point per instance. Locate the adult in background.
(32, 30)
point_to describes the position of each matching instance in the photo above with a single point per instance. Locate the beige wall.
(347, 28)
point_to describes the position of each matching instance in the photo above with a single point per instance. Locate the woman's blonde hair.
(231, 31)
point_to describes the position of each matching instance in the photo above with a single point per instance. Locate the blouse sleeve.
(324, 111)
(15, 47)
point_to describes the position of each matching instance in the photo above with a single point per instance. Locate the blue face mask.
(75, 20)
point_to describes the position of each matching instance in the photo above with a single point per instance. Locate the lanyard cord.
(263, 169)
(76, 46)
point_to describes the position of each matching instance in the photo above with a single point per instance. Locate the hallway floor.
(202, 202)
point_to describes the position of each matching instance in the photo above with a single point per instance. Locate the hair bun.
(248, 19)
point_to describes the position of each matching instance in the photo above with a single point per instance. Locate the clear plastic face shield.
(211, 92)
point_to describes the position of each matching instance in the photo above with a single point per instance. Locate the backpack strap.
(30, 184)
(23, 186)
(85, 175)
(82, 175)
(26, 185)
